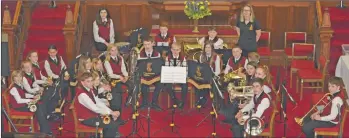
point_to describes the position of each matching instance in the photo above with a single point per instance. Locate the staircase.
(46, 29)
(340, 25)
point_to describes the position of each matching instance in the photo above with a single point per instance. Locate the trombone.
(300, 122)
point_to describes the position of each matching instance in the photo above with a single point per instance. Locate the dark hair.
(336, 81)
(213, 53)
(98, 16)
(52, 47)
(258, 80)
(253, 63)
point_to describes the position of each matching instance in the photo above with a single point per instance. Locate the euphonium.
(232, 75)
(300, 122)
(254, 126)
(106, 119)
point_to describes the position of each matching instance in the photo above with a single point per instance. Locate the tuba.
(132, 66)
(300, 122)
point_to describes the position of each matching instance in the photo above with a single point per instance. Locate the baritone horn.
(300, 122)
(254, 126)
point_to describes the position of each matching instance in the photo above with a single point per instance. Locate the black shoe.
(143, 106)
(53, 117)
(156, 106)
(203, 101)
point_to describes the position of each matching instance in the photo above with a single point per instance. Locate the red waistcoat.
(21, 92)
(116, 65)
(238, 64)
(327, 110)
(56, 68)
(81, 111)
(37, 70)
(267, 112)
(168, 38)
(104, 31)
(181, 59)
(29, 79)
(143, 54)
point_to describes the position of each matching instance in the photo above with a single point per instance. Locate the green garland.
(197, 9)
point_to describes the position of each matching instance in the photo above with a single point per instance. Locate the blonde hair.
(94, 63)
(242, 19)
(14, 74)
(107, 58)
(31, 52)
(94, 75)
(82, 63)
(254, 55)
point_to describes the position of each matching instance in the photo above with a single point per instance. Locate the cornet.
(300, 122)
(106, 119)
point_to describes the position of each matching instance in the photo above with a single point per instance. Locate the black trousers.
(41, 116)
(50, 99)
(145, 92)
(64, 88)
(116, 102)
(201, 93)
(245, 52)
(310, 125)
(100, 47)
(184, 89)
(109, 130)
(230, 109)
(238, 130)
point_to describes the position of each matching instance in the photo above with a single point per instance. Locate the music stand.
(285, 95)
(173, 127)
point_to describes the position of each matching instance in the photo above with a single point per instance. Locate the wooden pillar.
(326, 35)
(69, 35)
(9, 29)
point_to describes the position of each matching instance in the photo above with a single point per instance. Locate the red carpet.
(45, 30)
(188, 122)
(340, 25)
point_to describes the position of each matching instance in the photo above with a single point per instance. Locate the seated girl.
(103, 30)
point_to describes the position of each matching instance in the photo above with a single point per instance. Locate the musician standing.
(164, 39)
(54, 66)
(89, 110)
(115, 66)
(19, 101)
(235, 62)
(177, 59)
(148, 52)
(328, 117)
(212, 38)
(260, 105)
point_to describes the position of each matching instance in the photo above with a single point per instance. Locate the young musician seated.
(212, 38)
(237, 61)
(115, 66)
(249, 75)
(54, 66)
(19, 101)
(100, 87)
(164, 39)
(211, 57)
(329, 116)
(89, 110)
(252, 56)
(149, 52)
(177, 59)
(103, 30)
(97, 66)
(74, 71)
(263, 73)
(260, 106)
(37, 68)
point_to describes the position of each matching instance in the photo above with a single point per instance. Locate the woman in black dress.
(248, 29)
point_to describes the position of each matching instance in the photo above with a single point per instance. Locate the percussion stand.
(174, 128)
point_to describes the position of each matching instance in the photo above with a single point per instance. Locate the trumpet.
(300, 122)
(32, 104)
(106, 119)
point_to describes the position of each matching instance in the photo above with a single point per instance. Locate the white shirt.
(96, 36)
(217, 45)
(184, 63)
(265, 103)
(337, 101)
(18, 98)
(110, 70)
(49, 71)
(99, 107)
(217, 64)
(227, 66)
(149, 53)
(164, 36)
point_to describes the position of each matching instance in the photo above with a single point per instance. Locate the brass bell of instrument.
(254, 126)
(32, 107)
(106, 119)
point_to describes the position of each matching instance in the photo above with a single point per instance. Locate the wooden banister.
(76, 11)
(326, 34)
(17, 12)
(319, 12)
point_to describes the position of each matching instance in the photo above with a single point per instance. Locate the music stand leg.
(203, 120)
(173, 127)
(214, 133)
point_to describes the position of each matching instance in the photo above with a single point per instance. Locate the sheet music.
(162, 44)
(173, 74)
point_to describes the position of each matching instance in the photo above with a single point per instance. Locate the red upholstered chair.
(301, 53)
(79, 127)
(335, 131)
(18, 118)
(264, 44)
(316, 76)
(293, 37)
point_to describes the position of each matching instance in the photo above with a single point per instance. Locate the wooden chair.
(269, 131)
(79, 127)
(335, 131)
(293, 37)
(18, 118)
(313, 76)
(300, 58)
(264, 48)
